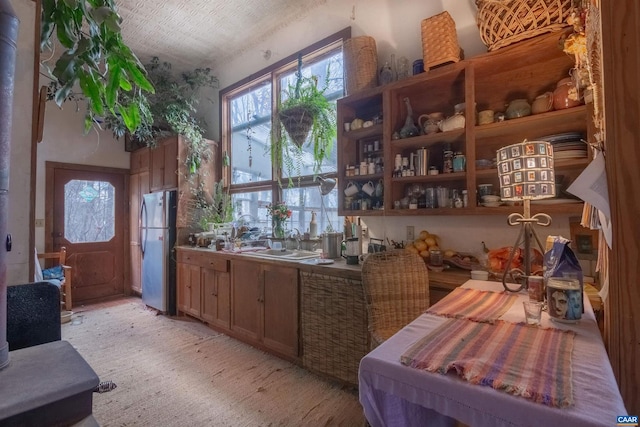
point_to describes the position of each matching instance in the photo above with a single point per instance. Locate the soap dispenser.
(313, 226)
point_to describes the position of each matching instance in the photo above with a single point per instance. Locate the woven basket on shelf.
(439, 40)
(360, 63)
(503, 22)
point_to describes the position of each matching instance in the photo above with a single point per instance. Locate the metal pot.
(331, 244)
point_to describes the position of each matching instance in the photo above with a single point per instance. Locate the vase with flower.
(279, 214)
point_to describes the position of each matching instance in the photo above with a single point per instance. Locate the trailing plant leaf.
(97, 60)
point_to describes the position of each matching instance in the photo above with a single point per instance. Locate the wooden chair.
(396, 290)
(51, 259)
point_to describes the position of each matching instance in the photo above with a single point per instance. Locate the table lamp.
(325, 185)
(525, 171)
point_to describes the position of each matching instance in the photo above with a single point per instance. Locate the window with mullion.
(246, 126)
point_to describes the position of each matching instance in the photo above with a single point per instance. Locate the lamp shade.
(526, 171)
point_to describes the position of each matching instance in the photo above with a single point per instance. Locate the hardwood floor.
(177, 371)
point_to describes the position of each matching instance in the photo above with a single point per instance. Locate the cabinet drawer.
(215, 263)
(204, 259)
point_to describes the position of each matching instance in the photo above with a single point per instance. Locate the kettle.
(352, 250)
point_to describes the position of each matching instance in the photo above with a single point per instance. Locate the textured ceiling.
(204, 33)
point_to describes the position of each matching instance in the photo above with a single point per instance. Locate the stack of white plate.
(569, 145)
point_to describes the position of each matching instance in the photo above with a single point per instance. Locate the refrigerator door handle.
(143, 224)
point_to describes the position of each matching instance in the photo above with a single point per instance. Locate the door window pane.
(250, 117)
(89, 211)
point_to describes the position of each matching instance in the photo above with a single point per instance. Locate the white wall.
(63, 142)
(395, 25)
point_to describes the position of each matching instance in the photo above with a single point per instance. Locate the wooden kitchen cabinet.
(216, 294)
(246, 292)
(189, 289)
(204, 287)
(489, 81)
(164, 165)
(265, 305)
(280, 309)
(138, 186)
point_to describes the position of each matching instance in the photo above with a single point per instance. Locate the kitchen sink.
(284, 254)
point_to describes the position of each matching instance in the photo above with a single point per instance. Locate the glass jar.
(459, 162)
(435, 257)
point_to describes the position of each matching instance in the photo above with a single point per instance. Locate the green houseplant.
(216, 207)
(171, 110)
(304, 115)
(95, 58)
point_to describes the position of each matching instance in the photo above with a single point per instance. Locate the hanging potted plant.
(305, 118)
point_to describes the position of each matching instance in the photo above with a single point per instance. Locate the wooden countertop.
(447, 280)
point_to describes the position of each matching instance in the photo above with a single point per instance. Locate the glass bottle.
(313, 226)
(386, 74)
(409, 129)
(447, 164)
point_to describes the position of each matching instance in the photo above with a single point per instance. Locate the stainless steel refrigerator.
(158, 237)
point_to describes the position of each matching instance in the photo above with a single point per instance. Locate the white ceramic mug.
(369, 188)
(351, 189)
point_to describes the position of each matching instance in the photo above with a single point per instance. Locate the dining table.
(395, 394)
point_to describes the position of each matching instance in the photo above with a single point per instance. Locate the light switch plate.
(410, 233)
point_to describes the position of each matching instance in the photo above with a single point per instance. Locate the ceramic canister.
(564, 299)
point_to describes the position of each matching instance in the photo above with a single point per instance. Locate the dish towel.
(522, 360)
(474, 304)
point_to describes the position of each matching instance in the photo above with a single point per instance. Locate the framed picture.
(583, 240)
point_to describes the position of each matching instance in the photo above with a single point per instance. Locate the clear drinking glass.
(443, 197)
(532, 312)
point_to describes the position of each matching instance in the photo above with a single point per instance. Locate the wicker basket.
(297, 121)
(439, 40)
(334, 326)
(360, 63)
(503, 22)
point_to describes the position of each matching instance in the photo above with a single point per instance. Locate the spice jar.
(447, 157)
(435, 257)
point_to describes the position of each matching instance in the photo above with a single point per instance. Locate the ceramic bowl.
(491, 204)
(479, 275)
(65, 316)
(490, 198)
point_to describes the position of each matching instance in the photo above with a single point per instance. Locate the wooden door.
(280, 309)
(189, 288)
(87, 213)
(138, 187)
(246, 294)
(216, 297)
(164, 165)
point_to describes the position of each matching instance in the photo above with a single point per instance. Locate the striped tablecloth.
(526, 361)
(474, 304)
